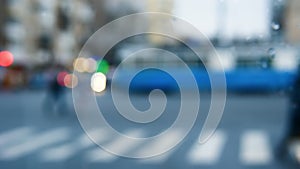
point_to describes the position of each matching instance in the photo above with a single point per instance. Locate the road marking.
(161, 143)
(122, 144)
(157, 159)
(116, 145)
(14, 136)
(208, 153)
(34, 143)
(255, 149)
(66, 151)
(99, 155)
(57, 154)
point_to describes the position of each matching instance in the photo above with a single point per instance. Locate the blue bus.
(258, 69)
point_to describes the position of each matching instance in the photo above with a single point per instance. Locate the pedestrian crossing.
(61, 144)
(8, 138)
(255, 148)
(210, 152)
(68, 150)
(34, 143)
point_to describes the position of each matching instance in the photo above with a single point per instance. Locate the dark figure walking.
(294, 118)
(55, 101)
(293, 126)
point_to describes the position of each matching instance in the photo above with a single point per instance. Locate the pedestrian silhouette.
(293, 125)
(55, 100)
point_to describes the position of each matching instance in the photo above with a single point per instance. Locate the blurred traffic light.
(103, 66)
(61, 77)
(6, 58)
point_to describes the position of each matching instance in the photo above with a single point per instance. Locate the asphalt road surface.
(33, 137)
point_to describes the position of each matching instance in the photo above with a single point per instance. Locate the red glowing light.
(60, 78)
(6, 58)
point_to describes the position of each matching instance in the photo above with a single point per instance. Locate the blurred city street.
(88, 84)
(251, 127)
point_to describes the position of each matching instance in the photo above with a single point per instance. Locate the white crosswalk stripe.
(66, 151)
(255, 148)
(10, 137)
(99, 155)
(162, 143)
(157, 159)
(208, 153)
(119, 144)
(35, 143)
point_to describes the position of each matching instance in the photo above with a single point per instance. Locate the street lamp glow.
(88, 65)
(98, 82)
(91, 65)
(80, 64)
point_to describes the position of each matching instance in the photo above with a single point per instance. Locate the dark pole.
(3, 14)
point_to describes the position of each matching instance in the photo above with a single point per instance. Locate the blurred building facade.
(39, 31)
(292, 22)
(2, 20)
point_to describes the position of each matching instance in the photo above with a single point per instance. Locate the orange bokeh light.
(70, 81)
